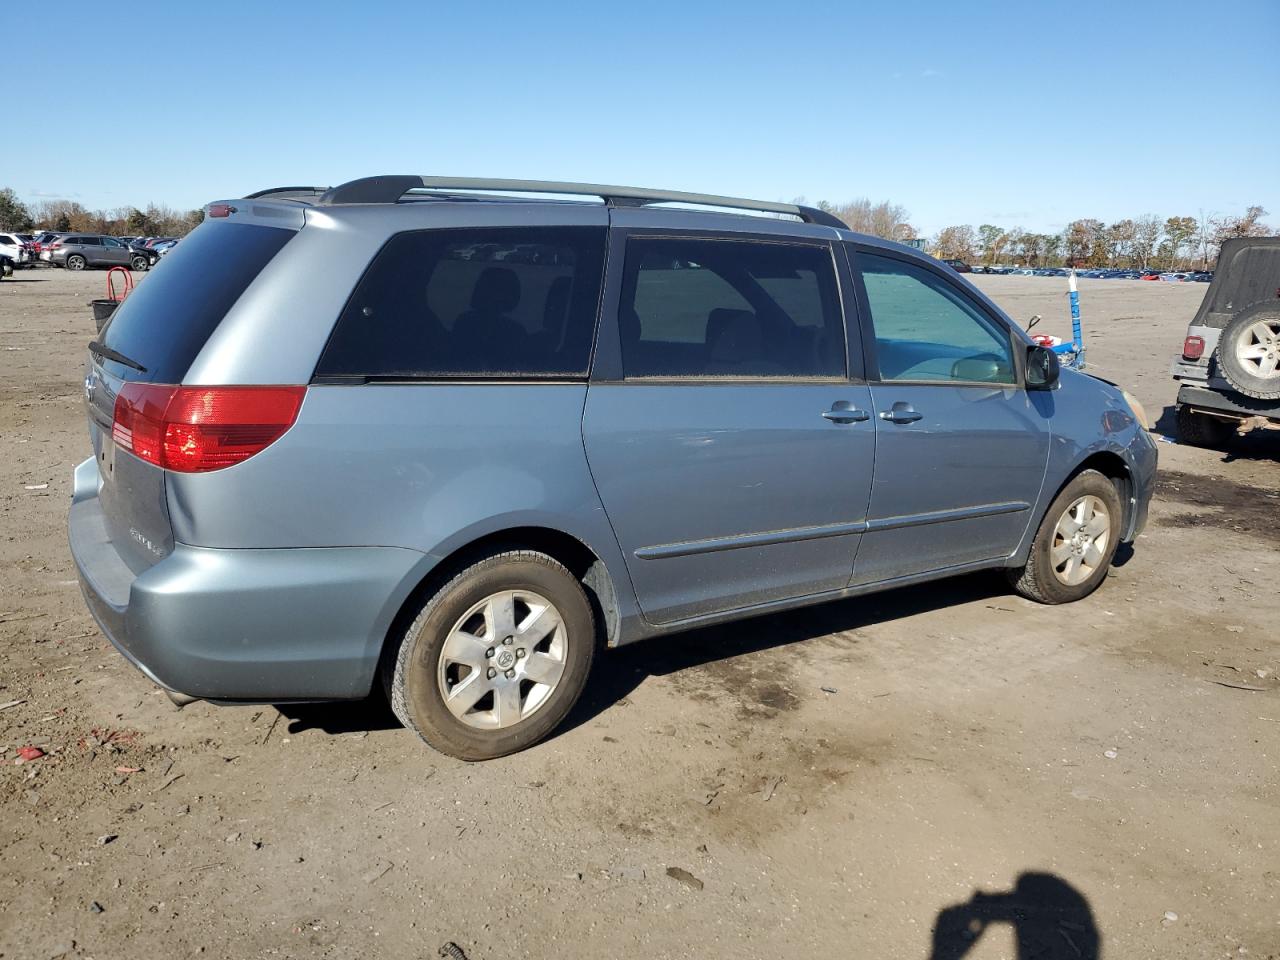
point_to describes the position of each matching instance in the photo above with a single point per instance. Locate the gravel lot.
(823, 783)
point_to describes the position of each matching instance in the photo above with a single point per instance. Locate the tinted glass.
(927, 329)
(729, 308)
(90, 241)
(109, 242)
(481, 302)
(165, 322)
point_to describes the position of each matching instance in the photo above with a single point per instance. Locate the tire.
(455, 647)
(76, 262)
(139, 263)
(1249, 351)
(1202, 430)
(1049, 575)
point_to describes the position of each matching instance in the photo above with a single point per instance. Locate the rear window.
(492, 302)
(165, 322)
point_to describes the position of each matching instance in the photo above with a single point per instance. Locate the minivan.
(454, 436)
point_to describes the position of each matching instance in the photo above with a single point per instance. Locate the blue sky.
(1025, 113)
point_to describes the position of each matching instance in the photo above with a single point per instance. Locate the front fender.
(1092, 420)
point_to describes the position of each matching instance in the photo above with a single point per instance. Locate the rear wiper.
(100, 349)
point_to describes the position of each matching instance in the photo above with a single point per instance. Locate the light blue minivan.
(456, 435)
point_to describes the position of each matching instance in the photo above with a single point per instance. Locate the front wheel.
(496, 658)
(1073, 547)
(140, 263)
(76, 262)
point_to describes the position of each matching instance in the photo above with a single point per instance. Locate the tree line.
(64, 216)
(1173, 243)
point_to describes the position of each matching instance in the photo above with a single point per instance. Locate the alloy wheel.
(1258, 348)
(1080, 540)
(502, 659)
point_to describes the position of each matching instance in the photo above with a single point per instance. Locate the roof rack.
(390, 189)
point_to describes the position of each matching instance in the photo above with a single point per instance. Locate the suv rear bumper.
(245, 625)
(1227, 402)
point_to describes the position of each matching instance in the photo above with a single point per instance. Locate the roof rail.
(286, 193)
(389, 189)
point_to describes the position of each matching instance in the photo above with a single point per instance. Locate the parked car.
(15, 249)
(41, 241)
(449, 446)
(1173, 277)
(163, 247)
(959, 266)
(1229, 369)
(81, 250)
(1200, 276)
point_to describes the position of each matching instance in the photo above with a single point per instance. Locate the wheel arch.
(1110, 463)
(581, 560)
(1115, 467)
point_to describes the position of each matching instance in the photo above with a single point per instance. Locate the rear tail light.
(198, 429)
(1193, 348)
(55, 245)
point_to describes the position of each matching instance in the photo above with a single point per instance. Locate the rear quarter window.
(165, 322)
(480, 303)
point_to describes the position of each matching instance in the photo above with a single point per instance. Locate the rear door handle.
(842, 411)
(901, 412)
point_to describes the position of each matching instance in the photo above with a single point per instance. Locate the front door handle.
(842, 411)
(901, 412)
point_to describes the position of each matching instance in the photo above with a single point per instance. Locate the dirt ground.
(837, 782)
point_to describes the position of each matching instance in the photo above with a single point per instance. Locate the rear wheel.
(1073, 547)
(1249, 351)
(139, 262)
(76, 262)
(1201, 429)
(496, 658)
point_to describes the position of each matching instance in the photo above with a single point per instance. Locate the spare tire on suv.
(1249, 351)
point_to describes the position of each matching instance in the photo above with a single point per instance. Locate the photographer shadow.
(1051, 920)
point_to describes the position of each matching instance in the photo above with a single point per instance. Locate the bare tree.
(1119, 240)
(1146, 236)
(884, 219)
(1249, 225)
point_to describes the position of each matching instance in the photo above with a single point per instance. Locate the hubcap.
(1080, 540)
(1258, 348)
(502, 660)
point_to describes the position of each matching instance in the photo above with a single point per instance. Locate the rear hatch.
(153, 337)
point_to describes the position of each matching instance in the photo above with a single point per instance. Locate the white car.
(11, 246)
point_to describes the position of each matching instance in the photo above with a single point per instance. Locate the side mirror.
(1042, 368)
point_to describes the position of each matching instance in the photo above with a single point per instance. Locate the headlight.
(1139, 412)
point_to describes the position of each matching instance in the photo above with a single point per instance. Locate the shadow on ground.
(617, 673)
(1051, 920)
(1257, 445)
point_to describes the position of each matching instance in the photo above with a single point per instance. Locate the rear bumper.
(245, 625)
(1227, 402)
